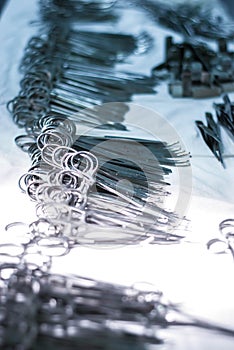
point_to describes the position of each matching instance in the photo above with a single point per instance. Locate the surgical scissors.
(226, 243)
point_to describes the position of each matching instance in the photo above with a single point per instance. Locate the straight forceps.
(225, 114)
(212, 136)
(226, 243)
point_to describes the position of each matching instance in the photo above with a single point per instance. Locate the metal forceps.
(226, 243)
